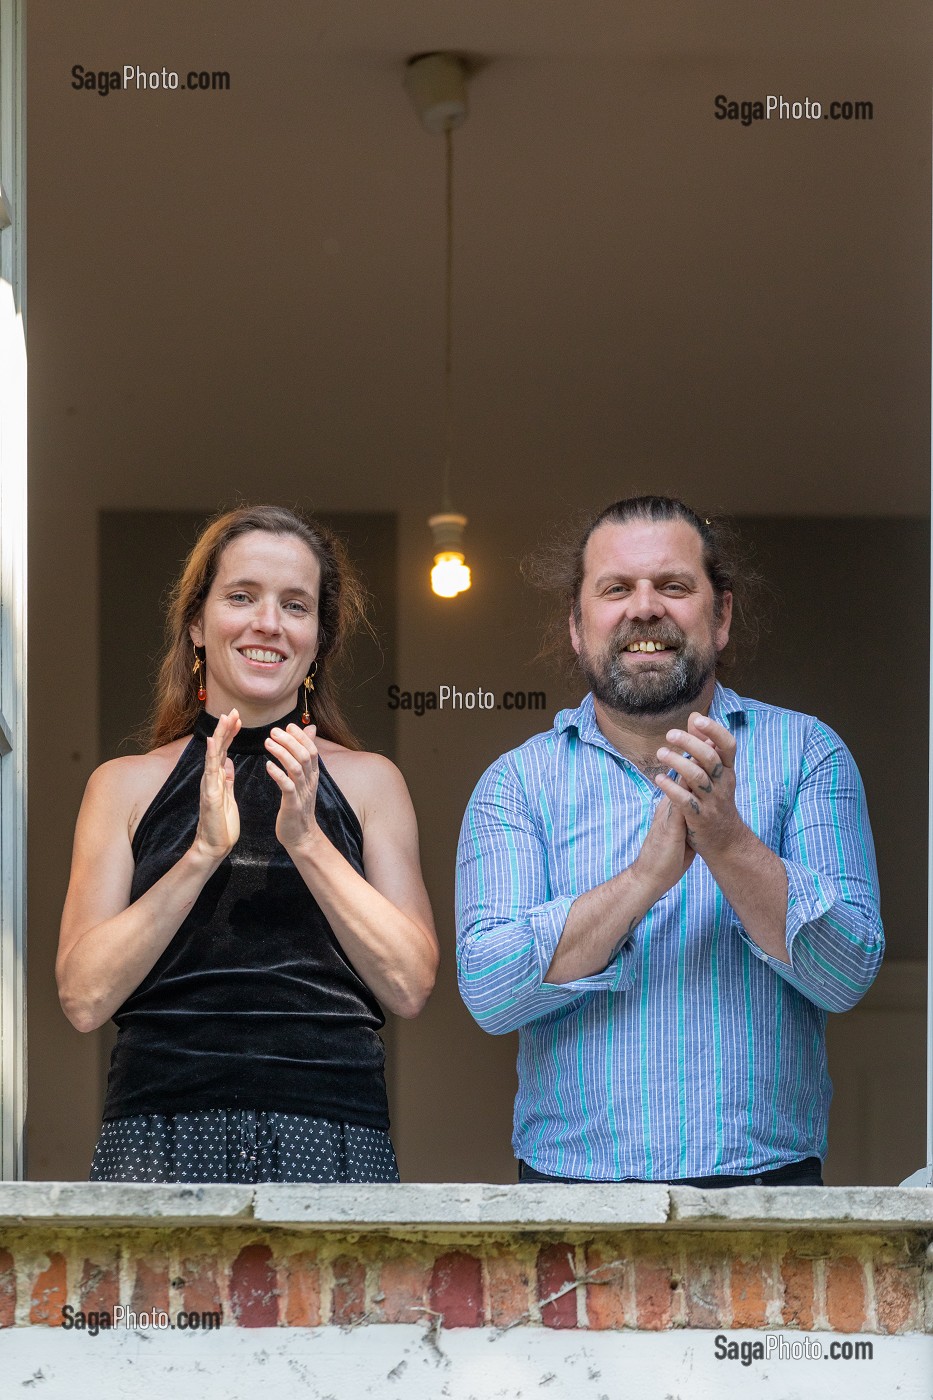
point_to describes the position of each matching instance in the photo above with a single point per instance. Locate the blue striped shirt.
(693, 1053)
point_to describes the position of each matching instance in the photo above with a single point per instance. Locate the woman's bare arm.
(107, 945)
(383, 922)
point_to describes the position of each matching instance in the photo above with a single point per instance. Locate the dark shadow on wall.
(849, 642)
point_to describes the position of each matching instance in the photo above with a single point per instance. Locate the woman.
(245, 895)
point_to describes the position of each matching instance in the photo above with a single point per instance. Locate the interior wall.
(847, 612)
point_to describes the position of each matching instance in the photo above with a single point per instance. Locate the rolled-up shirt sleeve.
(835, 938)
(509, 921)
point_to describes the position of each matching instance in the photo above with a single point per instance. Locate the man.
(667, 891)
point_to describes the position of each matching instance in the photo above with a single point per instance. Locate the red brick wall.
(646, 1280)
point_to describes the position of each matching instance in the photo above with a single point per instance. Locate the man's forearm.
(598, 924)
(600, 921)
(754, 881)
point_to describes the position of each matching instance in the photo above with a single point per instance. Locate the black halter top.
(253, 1004)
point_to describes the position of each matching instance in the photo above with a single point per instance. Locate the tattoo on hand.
(706, 787)
(694, 806)
(717, 772)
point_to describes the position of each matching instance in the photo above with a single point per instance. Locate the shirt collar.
(725, 702)
(583, 718)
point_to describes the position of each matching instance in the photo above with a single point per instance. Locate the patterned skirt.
(243, 1146)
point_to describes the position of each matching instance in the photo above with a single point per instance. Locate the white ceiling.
(247, 286)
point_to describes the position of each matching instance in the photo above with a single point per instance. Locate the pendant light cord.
(448, 318)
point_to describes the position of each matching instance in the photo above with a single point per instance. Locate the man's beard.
(648, 691)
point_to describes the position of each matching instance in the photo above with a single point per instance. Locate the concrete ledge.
(436, 1207)
(807, 1207)
(97, 1203)
(433, 1208)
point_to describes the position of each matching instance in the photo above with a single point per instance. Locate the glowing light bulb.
(450, 574)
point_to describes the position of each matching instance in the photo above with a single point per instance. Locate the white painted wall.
(466, 1364)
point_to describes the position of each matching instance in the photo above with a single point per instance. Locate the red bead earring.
(196, 671)
(309, 686)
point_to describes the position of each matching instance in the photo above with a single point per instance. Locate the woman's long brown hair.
(340, 609)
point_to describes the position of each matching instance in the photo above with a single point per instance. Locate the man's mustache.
(625, 634)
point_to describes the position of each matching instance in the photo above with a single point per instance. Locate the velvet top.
(253, 1004)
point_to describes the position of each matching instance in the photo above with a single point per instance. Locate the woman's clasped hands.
(295, 772)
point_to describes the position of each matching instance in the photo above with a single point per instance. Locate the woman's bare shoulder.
(127, 785)
(356, 761)
(365, 779)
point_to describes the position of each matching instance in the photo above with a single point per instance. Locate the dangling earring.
(196, 671)
(309, 686)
